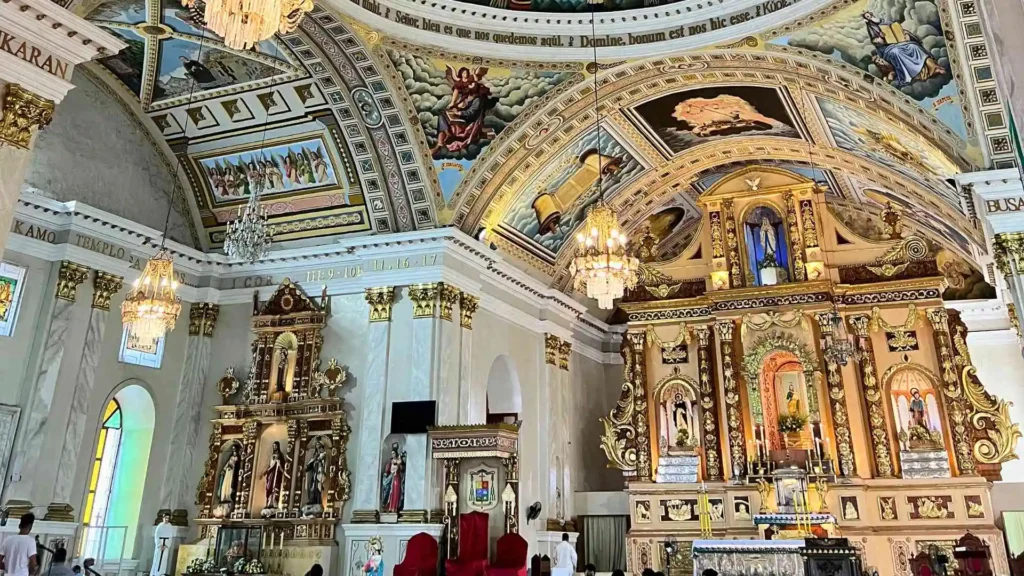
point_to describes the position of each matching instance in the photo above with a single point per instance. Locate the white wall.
(96, 152)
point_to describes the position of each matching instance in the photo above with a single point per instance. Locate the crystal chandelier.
(602, 266)
(152, 307)
(244, 23)
(248, 237)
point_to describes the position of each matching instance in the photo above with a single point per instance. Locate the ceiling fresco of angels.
(171, 55)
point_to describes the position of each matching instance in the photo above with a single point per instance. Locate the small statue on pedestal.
(228, 483)
(316, 473)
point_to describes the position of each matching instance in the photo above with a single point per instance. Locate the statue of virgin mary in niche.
(767, 257)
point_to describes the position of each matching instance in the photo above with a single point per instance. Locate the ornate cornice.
(104, 286)
(24, 113)
(69, 277)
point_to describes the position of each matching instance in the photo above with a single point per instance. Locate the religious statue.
(792, 401)
(917, 409)
(229, 477)
(682, 428)
(374, 565)
(316, 473)
(769, 243)
(274, 477)
(850, 511)
(393, 482)
(162, 535)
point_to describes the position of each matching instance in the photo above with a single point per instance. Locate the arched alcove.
(121, 456)
(504, 394)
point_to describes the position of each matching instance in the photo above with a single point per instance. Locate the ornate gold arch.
(774, 341)
(687, 381)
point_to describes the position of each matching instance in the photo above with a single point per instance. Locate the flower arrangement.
(248, 566)
(792, 423)
(201, 566)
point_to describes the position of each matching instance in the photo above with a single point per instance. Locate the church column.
(873, 397)
(188, 413)
(33, 80)
(104, 286)
(837, 404)
(553, 435)
(371, 422)
(734, 415)
(472, 409)
(33, 433)
(571, 459)
(637, 373)
(732, 241)
(449, 349)
(794, 237)
(958, 408)
(418, 482)
(709, 405)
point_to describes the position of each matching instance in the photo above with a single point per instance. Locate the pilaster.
(837, 404)
(873, 399)
(104, 287)
(958, 408)
(449, 352)
(554, 432)
(709, 402)
(33, 434)
(371, 422)
(725, 329)
(188, 412)
(425, 327)
(472, 407)
(637, 342)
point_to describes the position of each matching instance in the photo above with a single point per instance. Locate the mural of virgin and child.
(461, 123)
(899, 55)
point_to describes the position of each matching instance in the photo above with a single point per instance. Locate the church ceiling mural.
(682, 120)
(169, 48)
(462, 106)
(903, 43)
(555, 200)
(568, 5)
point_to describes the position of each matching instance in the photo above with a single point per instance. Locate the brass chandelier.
(152, 306)
(603, 267)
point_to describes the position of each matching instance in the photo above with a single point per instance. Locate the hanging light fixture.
(603, 267)
(248, 237)
(836, 343)
(244, 23)
(152, 306)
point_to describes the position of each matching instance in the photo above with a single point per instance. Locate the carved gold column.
(340, 485)
(794, 238)
(637, 342)
(810, 223)
(208, 483)
(709, 405)
(732, 241)
(873, 397)
(957, 407)
(733, 412)
(22, 115)
(250, 430)
(837, 403)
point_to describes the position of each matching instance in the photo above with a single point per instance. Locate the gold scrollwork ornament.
(23, 112)
(228, 384)
(331, 378)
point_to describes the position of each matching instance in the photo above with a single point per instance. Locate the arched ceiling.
(352, 121)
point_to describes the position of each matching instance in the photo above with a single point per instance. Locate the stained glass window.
(12, 281)
(108, 446)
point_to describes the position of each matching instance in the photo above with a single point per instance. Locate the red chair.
(510, 557)
(473, 544)
(420, 557)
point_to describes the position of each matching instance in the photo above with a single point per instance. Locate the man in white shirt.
(565, 558)
(18, 553)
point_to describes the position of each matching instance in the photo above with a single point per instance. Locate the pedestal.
(394, 538)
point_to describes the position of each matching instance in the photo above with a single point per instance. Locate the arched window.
(101, 478)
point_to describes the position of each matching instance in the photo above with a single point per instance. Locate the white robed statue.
(163, 535)
(769, 243)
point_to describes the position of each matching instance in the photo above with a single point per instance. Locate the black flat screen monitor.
(412, 417)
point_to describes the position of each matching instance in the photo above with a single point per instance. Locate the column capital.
(938, 317)
(725, 329)
(564, 351)
(703, 333)
(105, 285)
(424, 299)
(380, 300)
(449, 295)
(23, 114)
(468, 305)
(550, 349)
(860, 324)
(69, 277)
(202, 318)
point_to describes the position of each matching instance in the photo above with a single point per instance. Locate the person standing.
(58, 565)
(565, 558)
(18, 556)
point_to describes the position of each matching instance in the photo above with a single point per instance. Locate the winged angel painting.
(461, 123)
